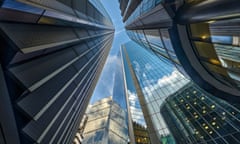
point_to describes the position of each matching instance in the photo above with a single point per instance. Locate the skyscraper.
(194, 116)
(154, 79)
(52, 53)
(106, 123)
(136, 122)
(175, 109)
(201, 38)
(118, 84)
(79, 135)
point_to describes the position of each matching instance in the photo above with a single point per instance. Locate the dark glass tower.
(195, 117)
(52, 53)
(200, 37)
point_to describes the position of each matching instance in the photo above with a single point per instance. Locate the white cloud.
(170, 79)
(166, 85)
(148, 66)
(136, 112)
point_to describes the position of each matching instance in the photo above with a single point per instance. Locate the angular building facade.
(106, 123)
(196, 117)
(79, 135)
(201, 38)
(154, 79)
(52, 53)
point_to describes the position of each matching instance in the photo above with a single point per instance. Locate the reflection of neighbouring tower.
(106, 123)
(140, 134)
(51, 55)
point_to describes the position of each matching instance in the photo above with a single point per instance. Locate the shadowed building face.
(52, 53)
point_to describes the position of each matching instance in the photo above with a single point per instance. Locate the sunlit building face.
(106, 123)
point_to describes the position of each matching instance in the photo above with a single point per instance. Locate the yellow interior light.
(212, 106)
(203, 37)
(206, 127)
(213, 123)
(215, 61)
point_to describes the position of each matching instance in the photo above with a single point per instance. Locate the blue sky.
(104, 87)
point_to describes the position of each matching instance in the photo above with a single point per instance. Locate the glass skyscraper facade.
(136, 120)
(52, 53)
(196, 117)
(154, 79)
(106, 123)
(118, 84)
(175, 109)
(201, 38)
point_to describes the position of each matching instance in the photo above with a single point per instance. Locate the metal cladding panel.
(8, 128)
(53, 54)
(52, 5)
(32, 72)
(13, 15)
(38, 129)
(33, 103)
(30, 38)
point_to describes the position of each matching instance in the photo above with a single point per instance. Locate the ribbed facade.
(196, 117)
(201, 38)
(52, 53)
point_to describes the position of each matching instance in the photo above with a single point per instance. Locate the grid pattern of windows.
(157, 79)
(143, 7)
(159, 42)
(134, 106)
(194, 116)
